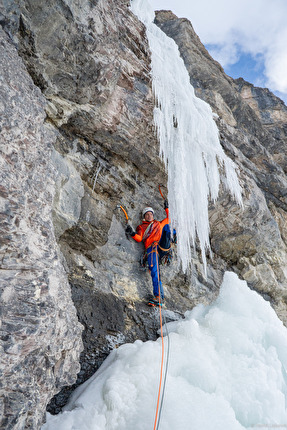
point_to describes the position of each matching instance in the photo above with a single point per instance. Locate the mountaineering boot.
(154, 301)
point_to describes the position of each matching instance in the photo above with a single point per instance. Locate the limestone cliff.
(40, 332)
(77, 139)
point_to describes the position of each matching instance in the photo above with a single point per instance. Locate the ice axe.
(124, 211)
(126, 217)
(163, 196)
(161, 193)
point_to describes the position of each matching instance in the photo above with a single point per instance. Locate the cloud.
(276, 64)
(226, 54)
(231, 27)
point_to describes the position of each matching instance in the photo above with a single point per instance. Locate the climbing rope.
(161, 393)
(165, 373)
(157, 417)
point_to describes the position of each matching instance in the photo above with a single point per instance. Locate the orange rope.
(162, 351)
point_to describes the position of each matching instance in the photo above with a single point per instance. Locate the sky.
(248, 38)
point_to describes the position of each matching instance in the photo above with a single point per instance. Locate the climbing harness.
(153, 251)
(165, 260)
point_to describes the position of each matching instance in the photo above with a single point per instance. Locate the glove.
(165, 205)
(129, 230)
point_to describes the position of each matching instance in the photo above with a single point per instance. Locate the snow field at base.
(227, 370)
(189, 141)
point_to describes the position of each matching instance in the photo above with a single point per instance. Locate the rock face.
(78, 139)
(40, 332)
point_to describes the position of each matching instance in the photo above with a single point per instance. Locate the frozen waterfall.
(189, 141)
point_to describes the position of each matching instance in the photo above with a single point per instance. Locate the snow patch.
(227, 370)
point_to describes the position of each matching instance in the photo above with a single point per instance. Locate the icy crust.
(227, 370)
(189, 141)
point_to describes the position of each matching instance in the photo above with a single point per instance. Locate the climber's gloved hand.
(165, 205)
(129, 230)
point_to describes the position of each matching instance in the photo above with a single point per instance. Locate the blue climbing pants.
(155, 251)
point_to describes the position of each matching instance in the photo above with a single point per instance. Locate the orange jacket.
(150, 232)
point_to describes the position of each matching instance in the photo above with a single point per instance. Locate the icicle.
(189, 141)
(96, 176)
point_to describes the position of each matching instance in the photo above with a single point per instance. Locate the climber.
(156, 238)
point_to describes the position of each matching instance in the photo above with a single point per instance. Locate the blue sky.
(248, 38)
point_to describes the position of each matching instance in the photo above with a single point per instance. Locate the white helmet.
(147, 209)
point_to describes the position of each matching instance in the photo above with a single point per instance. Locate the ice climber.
(156, 237)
